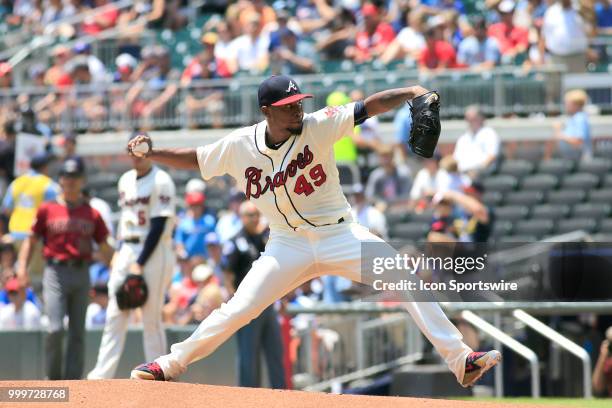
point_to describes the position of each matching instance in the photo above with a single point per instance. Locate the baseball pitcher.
(142, 267)
(285, 165)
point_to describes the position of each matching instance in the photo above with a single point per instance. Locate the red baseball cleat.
(477, 364)
(148, 371)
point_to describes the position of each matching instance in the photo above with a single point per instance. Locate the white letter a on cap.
(291, 86)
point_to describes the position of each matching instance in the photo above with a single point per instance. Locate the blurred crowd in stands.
(259, 38)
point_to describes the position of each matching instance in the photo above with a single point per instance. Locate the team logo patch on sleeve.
(332, 110)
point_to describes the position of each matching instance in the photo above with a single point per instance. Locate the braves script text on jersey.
(312, 233)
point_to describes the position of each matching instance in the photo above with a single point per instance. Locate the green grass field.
(556, 402)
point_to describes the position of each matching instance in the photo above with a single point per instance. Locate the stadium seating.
(582, 181)
(516, 168)
(566, 196)
(540, 182)
(550, 211)
(511, 213)
(556, 166)
(534, 227)
(576, 224)
(411, 231)
(528, 198)
(591, 210)
(501, 183)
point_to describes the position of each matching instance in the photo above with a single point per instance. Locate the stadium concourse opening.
(131, 393)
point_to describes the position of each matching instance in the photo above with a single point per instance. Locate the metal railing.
(334, 350)
(233, 102)
(562, 341)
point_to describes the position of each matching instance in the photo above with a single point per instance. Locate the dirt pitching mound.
(149, 394)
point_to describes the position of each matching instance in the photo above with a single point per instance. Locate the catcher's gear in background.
(132, 293)
(425, 131)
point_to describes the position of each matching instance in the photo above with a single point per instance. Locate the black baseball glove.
(132, 293)
(425, 130)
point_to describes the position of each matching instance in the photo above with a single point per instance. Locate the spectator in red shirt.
(513, 40)
(376, 36)
(101, 21)
(438, 54)
(68, 227)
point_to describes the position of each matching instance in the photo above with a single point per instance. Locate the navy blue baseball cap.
(72, 168)
(279, 90)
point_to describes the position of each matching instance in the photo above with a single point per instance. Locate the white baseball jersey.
(141, 199)
(296, 186)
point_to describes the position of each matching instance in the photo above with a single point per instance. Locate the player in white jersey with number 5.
(147, 199)
(285, 165)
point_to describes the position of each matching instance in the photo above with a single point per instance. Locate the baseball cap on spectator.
(39, 160)
(212, 239)
(125, 63)
(209, 38)
(5, 68)
(279, 90)
(506, 6)
(195, 185)
(369, 9)
(195, 198)
(12, 285)
(72, 168)
(81, 47)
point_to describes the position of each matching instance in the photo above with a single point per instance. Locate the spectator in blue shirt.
(479, 51)
(193, 227)
(603, 13)
(573, 138)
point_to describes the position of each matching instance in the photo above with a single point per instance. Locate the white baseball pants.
(290, 259)
(157, 273)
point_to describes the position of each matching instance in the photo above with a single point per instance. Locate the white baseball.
(141, 149)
